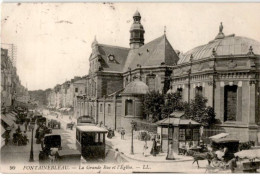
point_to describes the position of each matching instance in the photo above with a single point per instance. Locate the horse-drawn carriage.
(52, 152)
(70, 125)
(49, 142)
(54, 124)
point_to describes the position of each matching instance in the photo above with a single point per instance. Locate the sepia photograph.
(130, 87)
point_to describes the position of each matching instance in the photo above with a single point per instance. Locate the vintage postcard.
(130, 87)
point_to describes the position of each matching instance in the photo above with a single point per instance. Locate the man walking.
(122, 134)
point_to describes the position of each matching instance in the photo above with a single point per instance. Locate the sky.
(53, 40)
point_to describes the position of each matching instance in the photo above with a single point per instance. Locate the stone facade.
(225, 71)
(11, 88)
(110, 98)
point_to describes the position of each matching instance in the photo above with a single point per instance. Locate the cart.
(54, 124)
(50, 141)
(249, 160)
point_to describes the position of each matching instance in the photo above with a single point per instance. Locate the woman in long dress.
(153, 150)
(145, 149)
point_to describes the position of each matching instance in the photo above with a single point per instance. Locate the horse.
(202, 156)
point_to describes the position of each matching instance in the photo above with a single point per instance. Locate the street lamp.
(31, 153)
(133, 125)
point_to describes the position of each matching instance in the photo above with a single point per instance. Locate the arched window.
(230, 103)
(129, 107)
(198, 90)
(179, 90)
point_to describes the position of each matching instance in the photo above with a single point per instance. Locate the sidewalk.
(124, 146)
(14, 154)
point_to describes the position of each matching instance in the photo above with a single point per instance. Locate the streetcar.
(85, 120)
(90, 141)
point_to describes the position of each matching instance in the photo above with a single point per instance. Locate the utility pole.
(31, 152)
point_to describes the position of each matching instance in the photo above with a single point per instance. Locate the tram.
(90, 141)
(85, 120)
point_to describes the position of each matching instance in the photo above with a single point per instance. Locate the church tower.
(136, 32)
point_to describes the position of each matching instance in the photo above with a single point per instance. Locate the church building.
(225, 71)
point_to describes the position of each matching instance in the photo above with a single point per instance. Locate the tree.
(153, 102)
(198, 110)
(173, 102)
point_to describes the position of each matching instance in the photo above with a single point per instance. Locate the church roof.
(224, 46)
(118, 55)
(81, 81)
(154, 53)
(136, 87)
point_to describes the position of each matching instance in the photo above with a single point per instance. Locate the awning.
(7, 120)
(218, 136)
(224, 138)
(11, 116)
(2, 130)
(14, 113)
(249, 154)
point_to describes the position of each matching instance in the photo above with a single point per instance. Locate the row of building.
(225, 71)
(12, 91)
(63, 96)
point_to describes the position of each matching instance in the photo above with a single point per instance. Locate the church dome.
(136, 87)
(223, 46)
(229, 45)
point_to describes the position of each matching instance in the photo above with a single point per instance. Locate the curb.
(126, 157)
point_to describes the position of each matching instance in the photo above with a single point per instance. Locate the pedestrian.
(154, 146)
(145, 148)
(117, 156)
(122, 134)
(25, 138)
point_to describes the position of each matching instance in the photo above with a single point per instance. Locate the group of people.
(111, 133)
(20, 138)
(40, 133)
(155, 149)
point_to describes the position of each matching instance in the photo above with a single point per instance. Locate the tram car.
(90, 141)
(85, 120)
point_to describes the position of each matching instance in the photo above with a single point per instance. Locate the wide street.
(13, 154)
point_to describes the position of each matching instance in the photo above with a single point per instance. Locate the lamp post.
(133, 125)
(31, 153)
